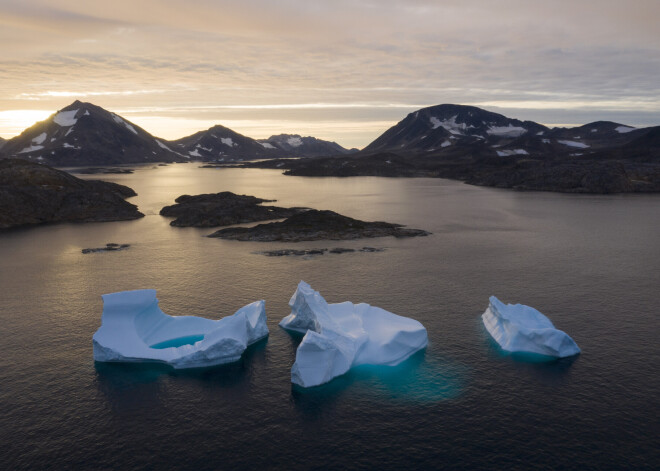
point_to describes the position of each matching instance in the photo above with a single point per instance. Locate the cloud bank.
(338, 68)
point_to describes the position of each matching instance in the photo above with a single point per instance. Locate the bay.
(590, 263)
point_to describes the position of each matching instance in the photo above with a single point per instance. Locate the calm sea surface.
(590, 263)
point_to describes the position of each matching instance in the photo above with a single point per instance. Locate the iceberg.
(520, 328)
(134, 329)
(343, 335)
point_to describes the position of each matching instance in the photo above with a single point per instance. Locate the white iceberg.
(340, 336)
(520, 328)
(134, 329)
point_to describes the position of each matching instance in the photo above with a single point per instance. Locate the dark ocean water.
(590, 263)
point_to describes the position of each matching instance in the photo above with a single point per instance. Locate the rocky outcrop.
(110, 247)
(34, 194)
(311, 252)
(222, 209)
(317, 225)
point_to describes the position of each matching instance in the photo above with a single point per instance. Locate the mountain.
(468, 131)
(32, 193)
(294, 145)
(85, 134)
(222, 144)
(440, 127)
(483, 148)
(2, 142)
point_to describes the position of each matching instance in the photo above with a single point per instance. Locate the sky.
(342, 70)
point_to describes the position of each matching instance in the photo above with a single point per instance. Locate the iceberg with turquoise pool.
(520, 328)
(134, 329)
(343, 335)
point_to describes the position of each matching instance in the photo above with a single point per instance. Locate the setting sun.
(13, 122)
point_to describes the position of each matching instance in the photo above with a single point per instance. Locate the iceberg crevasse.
(134, 329)
(520, 328)
(340, 336)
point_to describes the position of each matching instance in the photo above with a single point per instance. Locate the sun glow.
(13, 122)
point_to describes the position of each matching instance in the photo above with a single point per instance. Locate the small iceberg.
(341, 336)
(134, 329)
(520, 328)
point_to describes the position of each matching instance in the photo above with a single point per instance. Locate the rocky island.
(222, 209)
(31, 193)
(316, 225)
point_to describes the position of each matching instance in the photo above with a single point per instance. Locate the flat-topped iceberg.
(340, 336)
(520, 328)
(134, 329)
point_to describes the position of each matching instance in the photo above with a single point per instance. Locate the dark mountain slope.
(84, 134)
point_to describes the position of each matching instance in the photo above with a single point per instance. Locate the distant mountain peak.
(219, 143)
(295, 145)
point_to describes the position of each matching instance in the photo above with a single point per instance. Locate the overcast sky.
(343, 70)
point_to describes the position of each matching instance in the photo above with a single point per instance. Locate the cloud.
(353, 57)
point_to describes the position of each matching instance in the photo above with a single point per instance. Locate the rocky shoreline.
(36, 194)
(311, 252)
(594, 176)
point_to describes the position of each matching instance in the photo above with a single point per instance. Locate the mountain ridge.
(295, 145)
(483, 148)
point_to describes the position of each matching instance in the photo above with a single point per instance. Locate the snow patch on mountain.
(40, 138)
(294, 141)
(267, 145)
(118, 120)
(30, 149)
(66, 118)
(194, 153)
(449, 124)
(508, 153)
(228, 141)
(506, 131)
(580, 145)
(445, 144)
(624, 129)
(162, 146)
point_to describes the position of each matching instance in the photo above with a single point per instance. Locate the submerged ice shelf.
(340, 336)
(520, 328)
(134, 329)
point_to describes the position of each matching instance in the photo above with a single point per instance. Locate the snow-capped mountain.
(222, 144)
(294, 145)
(443, 126)
(455, 130)
(483, 148)
(86, 134)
